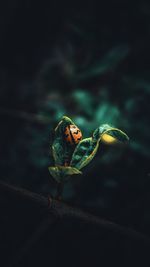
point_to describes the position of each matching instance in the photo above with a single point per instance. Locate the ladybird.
(73, 134)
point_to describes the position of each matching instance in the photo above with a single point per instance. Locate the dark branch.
(58, 209)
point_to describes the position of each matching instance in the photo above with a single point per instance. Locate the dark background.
(91, 63)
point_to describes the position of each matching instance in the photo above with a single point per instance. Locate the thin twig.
(30, 117)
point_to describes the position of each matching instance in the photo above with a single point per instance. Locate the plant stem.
(59, 193)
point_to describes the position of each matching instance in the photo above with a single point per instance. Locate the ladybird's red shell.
(72, 134)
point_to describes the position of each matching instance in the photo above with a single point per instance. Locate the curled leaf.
(65, 121)
(108, 134)
(60, 149)
(87, 148)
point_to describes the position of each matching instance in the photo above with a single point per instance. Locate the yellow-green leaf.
(109, 134)
(114, 135)
(61, 173)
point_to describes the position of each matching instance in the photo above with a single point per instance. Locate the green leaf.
(87, 148)
(61, 173)
(108, 134)
(60, 149)
(84, 153)
(64, 122)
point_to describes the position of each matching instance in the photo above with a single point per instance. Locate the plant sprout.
(71, 153)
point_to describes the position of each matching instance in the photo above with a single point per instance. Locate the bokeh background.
(89, 62)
